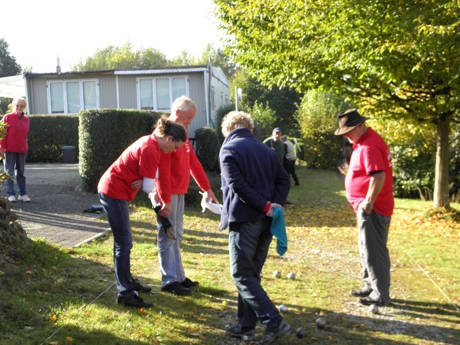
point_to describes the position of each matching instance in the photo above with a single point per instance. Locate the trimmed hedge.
(104, 134)
(207, 148)
(47, 135)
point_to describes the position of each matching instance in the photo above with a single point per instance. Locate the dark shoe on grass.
(364, 292)
(235, 331)
(133, 301)
(188, 283)
(270, 335)
(176, 288)
(370, 301)
(140, 288)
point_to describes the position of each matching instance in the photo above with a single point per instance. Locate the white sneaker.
(11, 198)
(24, 198)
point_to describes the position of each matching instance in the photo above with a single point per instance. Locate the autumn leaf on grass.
(53, 318)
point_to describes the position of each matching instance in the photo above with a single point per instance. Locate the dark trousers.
(375, 259)
(289, 166)
(248, 246)
(118, 216)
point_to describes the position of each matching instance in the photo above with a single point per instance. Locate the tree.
(395, 59)
(283, 101)
(8, 67)
(114, 57)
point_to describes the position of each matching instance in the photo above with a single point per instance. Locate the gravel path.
(56, 210)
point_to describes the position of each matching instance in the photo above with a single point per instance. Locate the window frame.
(153, 80)
(64, 95)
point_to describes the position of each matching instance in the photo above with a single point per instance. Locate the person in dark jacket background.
(253, 184)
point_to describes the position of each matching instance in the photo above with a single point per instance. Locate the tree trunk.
(441, 179)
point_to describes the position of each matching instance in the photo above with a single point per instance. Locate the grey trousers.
(169, 254)
(373, 251)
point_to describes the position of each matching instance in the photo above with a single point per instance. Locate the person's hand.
(272, 208)
(210, 195)
(367, 206)
(136, 184)
(2, 153)
(165, 210)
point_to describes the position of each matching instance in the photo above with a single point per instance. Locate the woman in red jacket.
(13, 147)
(120, 184)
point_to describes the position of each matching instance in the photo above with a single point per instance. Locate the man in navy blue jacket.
(253, 183)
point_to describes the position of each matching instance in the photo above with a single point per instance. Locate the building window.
(159, 93)
(71, 96)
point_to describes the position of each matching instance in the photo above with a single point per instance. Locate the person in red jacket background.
(13, 147)
(175, 177)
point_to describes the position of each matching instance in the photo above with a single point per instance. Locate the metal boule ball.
(283, 308)
(374, 309)
(320, 322)
(277, 274)
(291, 275)
(299, 332)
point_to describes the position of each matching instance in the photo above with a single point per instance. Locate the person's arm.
(5, 138)
(164, 185)
(375, 186)
(198, 174)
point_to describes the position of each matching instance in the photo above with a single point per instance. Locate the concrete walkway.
(56, 210)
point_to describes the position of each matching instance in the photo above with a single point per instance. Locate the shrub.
(47, 135)
(220, 113)
(207, 148)
(317, 119)
(104, 134)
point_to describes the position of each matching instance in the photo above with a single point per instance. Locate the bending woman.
(120, 184)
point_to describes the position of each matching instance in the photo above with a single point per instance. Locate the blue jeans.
(248, 246)
(118, 215)
(169, 256)
(15, 161)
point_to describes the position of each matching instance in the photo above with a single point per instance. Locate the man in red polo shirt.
(369, 189)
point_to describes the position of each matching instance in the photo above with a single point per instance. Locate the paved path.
(56, 211)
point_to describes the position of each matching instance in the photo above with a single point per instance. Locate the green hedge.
(104, 134)
(207, 148)
(47, 135)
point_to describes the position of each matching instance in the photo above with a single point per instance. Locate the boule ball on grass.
(321, 322)
(374, 309)
(283, 308)
(300, 333)
(277, 274)
(291, 275)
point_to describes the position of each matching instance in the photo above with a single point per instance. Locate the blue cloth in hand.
(278, 229)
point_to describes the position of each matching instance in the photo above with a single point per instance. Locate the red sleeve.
(148, 162)
(198, 173)
(164, 178)
(373, 160)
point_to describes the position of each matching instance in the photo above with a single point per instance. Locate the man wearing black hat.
(369, 189)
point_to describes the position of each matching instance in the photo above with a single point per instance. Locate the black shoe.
(370, 301)
(270, 336)
(133, 301)
(176, 288)
(140, 288)
(364, 292)
(189, 283)
(236, 331)
(288, 202)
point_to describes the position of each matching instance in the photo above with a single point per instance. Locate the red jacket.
(17, 130)
(175, 170)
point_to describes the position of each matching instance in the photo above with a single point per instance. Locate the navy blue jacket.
(251, 175)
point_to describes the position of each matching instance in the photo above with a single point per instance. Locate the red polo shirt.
(140, 159)
(370, 154)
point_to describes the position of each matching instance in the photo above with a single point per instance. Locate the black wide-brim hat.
(348, 120)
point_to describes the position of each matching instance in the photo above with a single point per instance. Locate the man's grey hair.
(182, 103)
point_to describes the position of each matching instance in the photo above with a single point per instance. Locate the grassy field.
(56, 296)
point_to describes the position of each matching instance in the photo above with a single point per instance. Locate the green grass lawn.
(53, 295)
